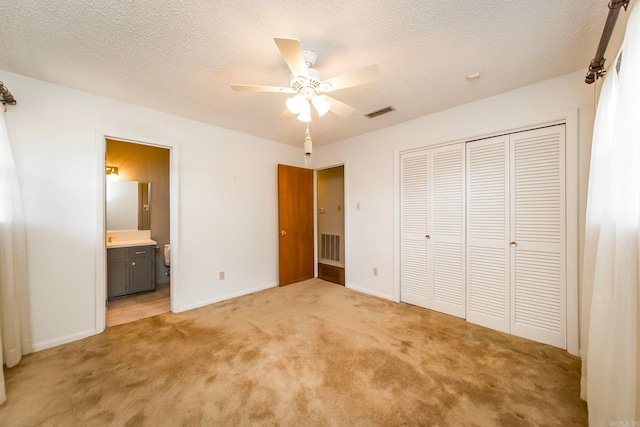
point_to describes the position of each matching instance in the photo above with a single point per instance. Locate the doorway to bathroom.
(331, 224)
(137, 205)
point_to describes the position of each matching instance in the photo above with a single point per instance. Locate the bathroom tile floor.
(135, 307)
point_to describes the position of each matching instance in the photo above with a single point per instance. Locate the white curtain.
(15, 329)
(611, 296)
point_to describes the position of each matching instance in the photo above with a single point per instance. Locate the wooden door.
(295, 221)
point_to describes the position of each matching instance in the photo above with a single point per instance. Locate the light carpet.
(312, 353)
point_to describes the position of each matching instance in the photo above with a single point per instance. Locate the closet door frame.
(573, 220)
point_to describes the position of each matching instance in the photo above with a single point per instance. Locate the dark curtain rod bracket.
(7, 98)
(596, 68)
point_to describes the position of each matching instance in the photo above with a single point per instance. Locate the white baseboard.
(369, 292)
(224, 298)
(63, 340)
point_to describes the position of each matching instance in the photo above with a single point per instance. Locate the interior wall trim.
(100, 249)
(346, 212)
(43, 345)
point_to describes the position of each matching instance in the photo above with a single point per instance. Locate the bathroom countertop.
(129, 243)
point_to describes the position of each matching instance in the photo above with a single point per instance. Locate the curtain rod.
(596, 68)
(7, 98)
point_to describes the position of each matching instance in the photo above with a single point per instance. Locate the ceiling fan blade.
(259, 88)
(360, 76)
(291, 51)
(286, 114)
(340, 108)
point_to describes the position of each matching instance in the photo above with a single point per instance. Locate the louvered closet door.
(538, 274)
(488, 233)
(447, 229)
(415, 287)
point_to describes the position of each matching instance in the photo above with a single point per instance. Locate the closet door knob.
(514, 244)
(427, 237)
(133, 263)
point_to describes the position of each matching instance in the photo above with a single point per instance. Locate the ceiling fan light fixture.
(305, 114)
(296, 104)
(321, 104)
(307, 84)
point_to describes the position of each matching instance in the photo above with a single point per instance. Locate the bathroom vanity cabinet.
(130, 270)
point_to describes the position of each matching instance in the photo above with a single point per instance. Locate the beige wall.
(144, 163)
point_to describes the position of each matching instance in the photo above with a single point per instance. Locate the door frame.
(101, 250)
(570, 119)
(345, 212)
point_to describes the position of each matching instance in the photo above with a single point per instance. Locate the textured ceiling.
(181, 56)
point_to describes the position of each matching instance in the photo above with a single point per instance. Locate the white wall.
(371, 169)
(227, 202)
(227, 191)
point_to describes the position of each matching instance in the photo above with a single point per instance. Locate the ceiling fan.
(309, 85)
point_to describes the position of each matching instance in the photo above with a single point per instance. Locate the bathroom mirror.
(128, 205)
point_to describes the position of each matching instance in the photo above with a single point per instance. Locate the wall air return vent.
(380, 112)
(330, 247)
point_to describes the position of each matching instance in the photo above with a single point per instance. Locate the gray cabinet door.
(140, 274)
(117, 272)
(130, 270)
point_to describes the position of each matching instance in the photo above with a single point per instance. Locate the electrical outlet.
(221, 275)
(375, 271)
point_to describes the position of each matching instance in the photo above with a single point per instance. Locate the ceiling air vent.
(385, 110)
